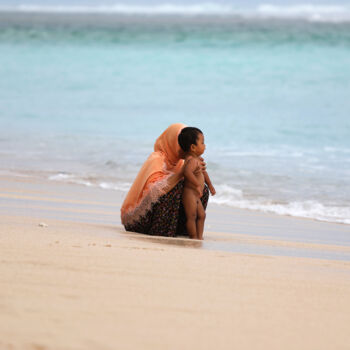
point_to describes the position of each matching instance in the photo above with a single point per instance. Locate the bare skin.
(193, 189)
(191, 195)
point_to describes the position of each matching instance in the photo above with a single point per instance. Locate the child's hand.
(199, 191)
(212, 190)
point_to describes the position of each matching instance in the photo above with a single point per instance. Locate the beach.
(72, 278)
(85, 92)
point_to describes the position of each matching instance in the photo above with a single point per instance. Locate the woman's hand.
(201, 168)
(203, 164)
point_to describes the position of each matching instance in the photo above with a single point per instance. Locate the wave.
(310, 209)
(227, 195)
(161, 9)
(73, 179)
(315, 13)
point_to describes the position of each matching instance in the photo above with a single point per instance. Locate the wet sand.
(72, 278)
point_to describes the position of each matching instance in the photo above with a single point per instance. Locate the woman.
(153, 205)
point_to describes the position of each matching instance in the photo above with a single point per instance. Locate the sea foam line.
(235, 198)
(331, 13)
(310, 209)
(73, 179)
(161, 9)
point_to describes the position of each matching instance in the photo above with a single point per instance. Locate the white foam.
(160, 9)
(333, 13)
(74, 179)
(123, 186)
(70, 178)
(325, 13)
(312, 209)
(60, 177)
(227, 195)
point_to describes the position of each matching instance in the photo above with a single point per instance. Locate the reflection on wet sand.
(246, 244)
(184, 242)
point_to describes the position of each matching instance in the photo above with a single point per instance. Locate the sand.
(79, 281)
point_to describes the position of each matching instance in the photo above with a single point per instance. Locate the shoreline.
(226, 229)
(71, 278)
(120, 189)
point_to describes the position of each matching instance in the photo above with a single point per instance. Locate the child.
(191, 141)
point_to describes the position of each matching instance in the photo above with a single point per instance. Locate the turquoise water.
(84, 96)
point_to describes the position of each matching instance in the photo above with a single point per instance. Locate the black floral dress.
(167, 216)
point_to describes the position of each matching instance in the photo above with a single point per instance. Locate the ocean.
(85, 91)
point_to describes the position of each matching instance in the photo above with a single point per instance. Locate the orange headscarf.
(154, 178)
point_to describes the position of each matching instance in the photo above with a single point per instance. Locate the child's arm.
(208, 182)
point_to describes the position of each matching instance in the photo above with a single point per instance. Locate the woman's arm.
(172, 180)
(203, 164)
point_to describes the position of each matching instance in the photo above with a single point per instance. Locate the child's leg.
(189, 201)
(200, 219)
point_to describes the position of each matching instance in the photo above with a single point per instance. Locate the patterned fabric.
(167, 216)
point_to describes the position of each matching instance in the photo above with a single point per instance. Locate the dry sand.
(83, 283)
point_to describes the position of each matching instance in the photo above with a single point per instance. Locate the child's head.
(191, 140)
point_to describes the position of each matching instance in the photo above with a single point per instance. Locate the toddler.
(191, 141)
